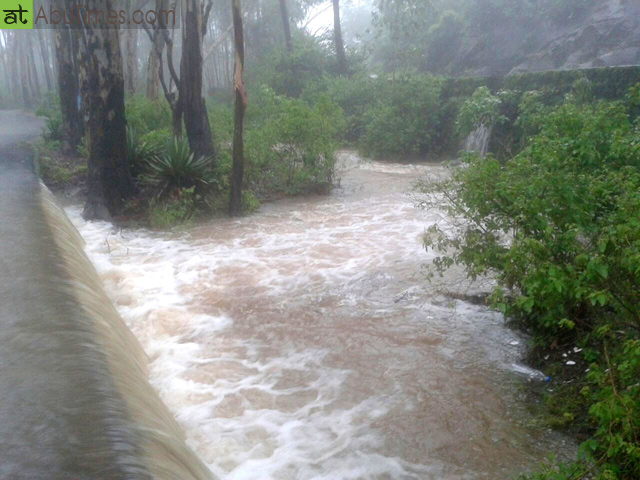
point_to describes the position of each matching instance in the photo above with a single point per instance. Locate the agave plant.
(175, 167)
(139, 153)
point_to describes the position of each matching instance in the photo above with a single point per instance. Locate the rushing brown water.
(302, 342)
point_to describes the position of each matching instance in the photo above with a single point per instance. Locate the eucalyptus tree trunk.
(337, 37)
(21, 65)
(72, 125)
(191, 101)
(31, 65)
(155, 55)
(162, 44)
(235, 198)
(102, 82)
(284, 13)
(43, 40)
(152, 70)
(12, 61)
(130, 38)
(5, 77)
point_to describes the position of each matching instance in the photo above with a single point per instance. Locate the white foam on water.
(299, 343)
(236, 422)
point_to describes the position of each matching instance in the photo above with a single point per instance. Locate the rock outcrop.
(608, 34)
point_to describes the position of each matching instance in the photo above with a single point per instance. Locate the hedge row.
(606, 84)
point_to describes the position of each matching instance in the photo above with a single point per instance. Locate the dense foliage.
(558, 226)
(404, 118)
(290, 144)
(49, 108)
(174, 167)
(483, 108)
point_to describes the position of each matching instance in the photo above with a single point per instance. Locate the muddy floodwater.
(303, 342)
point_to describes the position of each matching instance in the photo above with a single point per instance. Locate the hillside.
(605, 34)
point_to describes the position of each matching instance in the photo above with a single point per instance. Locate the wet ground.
(17, 126)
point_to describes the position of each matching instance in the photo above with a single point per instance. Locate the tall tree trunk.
(33, 71)
(216, 75)
(152, 75)
(130, 38)
(43, 39)
(235, 198)
(5, 78)
(225, 65)
(193, 105)
(284, 13)
(176, 114)
(72, 124)
(15, 79)
(21, 65)
(337, 36)
(109, 177)
(160, 38)
(154, 63)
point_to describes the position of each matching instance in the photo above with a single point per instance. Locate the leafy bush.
(404, 118)
(250, 202)
(140, 151)
(56, 170)
(290, 145)
(175, 210)
(483, 108)
(175, 167)
(49, 108)
(558, 226)
(221, 122)
(159, 137)
(352, 94)
(144, 115)
(288, 73)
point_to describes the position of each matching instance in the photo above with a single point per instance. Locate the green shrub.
(175, 167)
(140, 151)
(581, 91)
(144, 115)
(178, 209)
(56, 170)
(221, 122)
(49, 108)
(558, 226)
(404, 119)
(353, 95)
(290, 145)
(483, 108)
(159, 137)
(250, 202)
(288, 73)
(57, 174)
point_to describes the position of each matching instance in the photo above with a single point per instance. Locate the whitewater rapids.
(303, 342)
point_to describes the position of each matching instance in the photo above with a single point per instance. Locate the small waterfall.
(76, 398)
(159, 440)
(478, 140)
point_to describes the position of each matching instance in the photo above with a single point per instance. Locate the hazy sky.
(324, 20)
